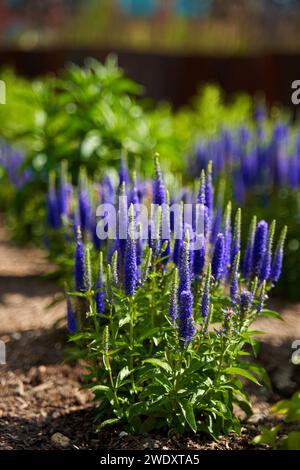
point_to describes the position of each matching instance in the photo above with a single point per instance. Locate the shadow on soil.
(31, 348)
(26, 286)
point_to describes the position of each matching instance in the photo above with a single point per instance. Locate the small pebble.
(60, 440)
(20, 389)
(16, 335)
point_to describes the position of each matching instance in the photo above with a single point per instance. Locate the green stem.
(112, 383)
(131, 339)
(220, 363)
(176, 377)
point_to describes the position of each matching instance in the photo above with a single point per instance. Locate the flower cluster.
(219, 247)
(257, 157)
(155, 302)
(12, 160)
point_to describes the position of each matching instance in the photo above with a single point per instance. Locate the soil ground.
(41, 395)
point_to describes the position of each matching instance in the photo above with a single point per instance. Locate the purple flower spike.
(71, 322)
(217, 264)
(265, 269)
(130, 262)
(178, 235)
(278, 257)
(85, 209)
(52, 206)
(246, 300)
(205, 301)
(166, 234)
(199, 257)
(216, 226)
(248, 258)
(184, 269)
(99, 296)
(123, 220)
(228, 238)
(236, 239)
(186, 326)
(79, 263)
(123, 173)
(159, 191)
(259, 246)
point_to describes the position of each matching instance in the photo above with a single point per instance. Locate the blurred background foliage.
(220, 26)
(94, 116)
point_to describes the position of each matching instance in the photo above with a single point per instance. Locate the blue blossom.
(205, 301)
(159, 191)
(259, 245)
(130, 262)
(199, 256)
(123, 173)
(248, 258)
(53, 215)
(228, 238)
(85, 209)
(123, 220)
(246, 301)
(79, 270)
(265, 269)
(184, 268)
(186, 327)
(71, 321)
(100, 296)
(278, 257)
(236, 239)
(217, 264)
(166, 233)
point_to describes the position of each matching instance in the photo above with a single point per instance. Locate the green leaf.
(271, 314)
(245, 406)
(260, 372)
(158, 363)
(104, 388)
(122, 375)
(268, 436)
(188, 414)
(290, 408)
(149, 333)
(292, 441)
(242, 372)
(108, 422)
(124, 321)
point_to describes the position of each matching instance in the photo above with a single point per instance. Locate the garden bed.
(41, 396)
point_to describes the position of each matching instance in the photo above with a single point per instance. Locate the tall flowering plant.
(162, 320)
